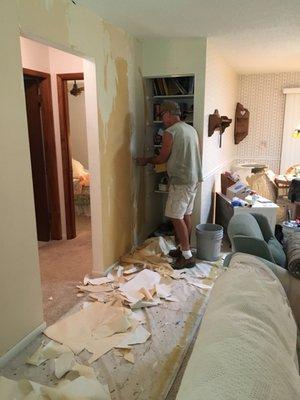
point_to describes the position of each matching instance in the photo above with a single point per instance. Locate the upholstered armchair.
(251, 233)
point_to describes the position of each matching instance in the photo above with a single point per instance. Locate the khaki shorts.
(180, 200)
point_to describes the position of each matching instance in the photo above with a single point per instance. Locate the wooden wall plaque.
(241, 127)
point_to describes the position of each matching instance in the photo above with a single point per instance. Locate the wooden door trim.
(50, 150)
(63, 107)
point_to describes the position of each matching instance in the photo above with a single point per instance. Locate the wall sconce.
(296, 133)
(218, 123)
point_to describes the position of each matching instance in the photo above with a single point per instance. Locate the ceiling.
(252, 35)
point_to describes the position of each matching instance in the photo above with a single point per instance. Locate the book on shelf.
(156, 112)
(181, 89)
(161, 86)
(173, 90)
(173, 86)
(155, 88)
(166, 91)
(191, 86)
(160, 168)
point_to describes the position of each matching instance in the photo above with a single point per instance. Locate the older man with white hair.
(180, 150)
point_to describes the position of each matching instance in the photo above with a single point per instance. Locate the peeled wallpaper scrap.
(50, 351)
(75, 331)
(98, 281)
(63, 364)
(95, 289)
(145, 279)
(78, 389)
(97, 328)
(195, 282)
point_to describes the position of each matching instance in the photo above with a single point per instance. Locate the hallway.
(63, 265)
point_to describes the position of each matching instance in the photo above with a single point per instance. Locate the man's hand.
(141, 161)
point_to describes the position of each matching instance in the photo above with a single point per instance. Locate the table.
(224, 211)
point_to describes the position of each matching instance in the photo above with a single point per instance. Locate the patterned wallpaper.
(262, 95)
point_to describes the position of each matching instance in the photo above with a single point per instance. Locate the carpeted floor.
(63, 264)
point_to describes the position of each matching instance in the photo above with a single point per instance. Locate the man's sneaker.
(182, 263)
(176, 253)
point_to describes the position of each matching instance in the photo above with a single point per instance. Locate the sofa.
(246, 348)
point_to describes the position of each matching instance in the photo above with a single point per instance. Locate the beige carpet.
(63, 264)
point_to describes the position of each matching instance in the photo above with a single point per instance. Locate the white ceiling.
(253, 35)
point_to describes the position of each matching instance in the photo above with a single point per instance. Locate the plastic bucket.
(209, 240)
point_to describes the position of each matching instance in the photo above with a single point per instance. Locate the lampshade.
(296, 133)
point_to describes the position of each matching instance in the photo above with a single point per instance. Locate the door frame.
(64, 122)
(50, 151)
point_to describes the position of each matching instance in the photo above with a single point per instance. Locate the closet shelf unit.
(159, 89)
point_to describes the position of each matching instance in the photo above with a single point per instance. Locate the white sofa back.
(246, 347)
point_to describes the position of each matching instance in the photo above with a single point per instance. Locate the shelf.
(175, 96)
(160, 191)
(161, 122)
(157, 145)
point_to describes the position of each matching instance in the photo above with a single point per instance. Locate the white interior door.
(290, 151)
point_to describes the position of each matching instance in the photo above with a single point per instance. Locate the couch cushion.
(277, 252)
(246, 347)
(244, 224)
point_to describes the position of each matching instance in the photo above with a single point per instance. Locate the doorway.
(72, 182)
(63, 263)
(42, 154)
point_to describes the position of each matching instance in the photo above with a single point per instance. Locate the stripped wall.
(71, 28)
(81, 31)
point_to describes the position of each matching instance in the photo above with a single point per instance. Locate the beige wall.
(262, 94)
(35, 55)
(221, 91)
(71, 28)
(20, 290)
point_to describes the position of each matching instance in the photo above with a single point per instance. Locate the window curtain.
(290, 150)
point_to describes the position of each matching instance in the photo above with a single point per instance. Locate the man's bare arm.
(163, 155)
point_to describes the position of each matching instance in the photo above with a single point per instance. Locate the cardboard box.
(239, 189)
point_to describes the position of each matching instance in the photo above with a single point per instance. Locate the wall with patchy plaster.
(74, 29)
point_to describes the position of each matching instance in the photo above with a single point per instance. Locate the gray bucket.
(209, 239)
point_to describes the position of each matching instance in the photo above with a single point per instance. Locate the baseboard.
(21, 345)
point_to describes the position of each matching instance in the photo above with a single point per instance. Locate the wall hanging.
(218, 123)
(241, 127)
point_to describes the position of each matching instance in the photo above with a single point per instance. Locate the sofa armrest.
(250, 245)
